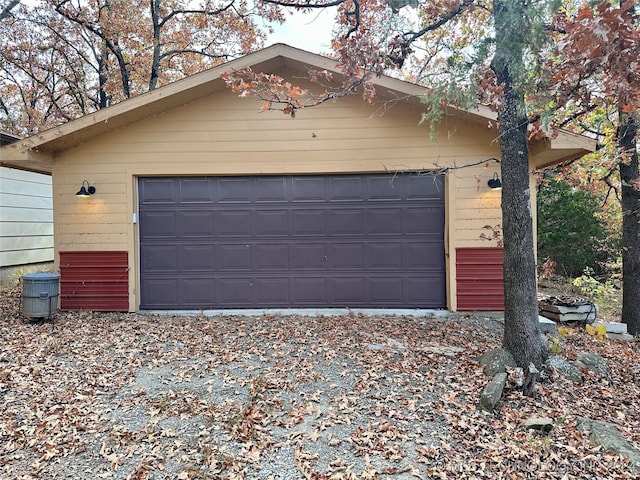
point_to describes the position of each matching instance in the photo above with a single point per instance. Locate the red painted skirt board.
(479, 279)
(97, 281)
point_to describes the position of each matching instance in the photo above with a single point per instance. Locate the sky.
(310, 31)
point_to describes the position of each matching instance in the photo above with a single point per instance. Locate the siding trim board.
(97, 281)
(479, 279)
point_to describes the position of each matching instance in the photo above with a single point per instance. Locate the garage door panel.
(386, 290)
(430, 290)
(308, 189)
(194, 258)
(385, 188)
(346, 188)
(158, 190)
(270, 189)
(424, 256)
(384, 221)
(234, 190)
(310, 291)
(424, 220)
(195, 224)
(233, 257)
(158, 224)
(233, 223)
(196, 292)
(283, 241)
(271, 223)
(233, 291)
(384, 256)
(272, 291)
(196, 190)
(308, 222)
(309, 256)
(160, 292)
(160, 258)
(347, 291)
(346, 221)
(416, 188)
(271, 257)
(346, 256)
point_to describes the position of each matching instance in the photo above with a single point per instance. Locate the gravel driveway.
(165, 397)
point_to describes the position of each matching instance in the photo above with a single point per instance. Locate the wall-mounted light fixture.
(495, 183)
(86, 191)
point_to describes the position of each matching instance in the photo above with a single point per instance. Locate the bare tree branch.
(6, 10)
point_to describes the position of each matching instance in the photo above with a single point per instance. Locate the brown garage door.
(292, 241)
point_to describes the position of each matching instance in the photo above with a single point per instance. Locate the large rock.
(543, 424)
(592, 361)
(608, 437)
(546, 325)
(493, 391)
(621, 336)
(565, 368)
(612, 327)
(495, 360)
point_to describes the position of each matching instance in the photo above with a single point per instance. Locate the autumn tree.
(6, 7)
(65, 58)
(514, 22)
(494, 56)
(596, 68)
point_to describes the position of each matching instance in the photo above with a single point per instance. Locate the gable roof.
(7, 138)
(38, 151)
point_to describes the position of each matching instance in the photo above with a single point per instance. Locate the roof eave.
(562, 147)
(39, 150)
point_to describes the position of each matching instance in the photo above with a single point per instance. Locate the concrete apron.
(304, 312)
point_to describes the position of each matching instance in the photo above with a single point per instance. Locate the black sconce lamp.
(85, 192)
(495, 183)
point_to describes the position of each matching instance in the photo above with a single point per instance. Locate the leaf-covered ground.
(147, 397)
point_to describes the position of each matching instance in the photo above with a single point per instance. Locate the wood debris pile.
(568, 309)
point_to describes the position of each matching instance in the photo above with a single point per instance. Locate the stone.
(493, 391)
(610, 439)
(543, 424)
(583, 307)
(565, 368)
(581, 312)
(569, 317)
(445, 350)
(396, 345)
(530, 379)
(612, 327)
(546, 325)
(592, 361)
(495, 360)
(620, 336)
(391, 344)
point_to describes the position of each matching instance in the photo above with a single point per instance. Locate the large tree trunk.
(630, 177)
(521, 330)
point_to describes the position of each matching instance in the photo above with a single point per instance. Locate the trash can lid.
(41, 276)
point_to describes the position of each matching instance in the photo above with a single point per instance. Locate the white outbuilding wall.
(26, 223)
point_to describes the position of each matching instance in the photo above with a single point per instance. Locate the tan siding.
(225, 135)
(476, 205)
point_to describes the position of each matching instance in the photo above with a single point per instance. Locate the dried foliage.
(62, 59)
(139, 396)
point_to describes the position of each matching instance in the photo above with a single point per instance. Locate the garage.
(307, 241)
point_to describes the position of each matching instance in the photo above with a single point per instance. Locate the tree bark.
(155, 59)
(521, 329)
(630, 179)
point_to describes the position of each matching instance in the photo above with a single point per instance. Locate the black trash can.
(40, 294)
